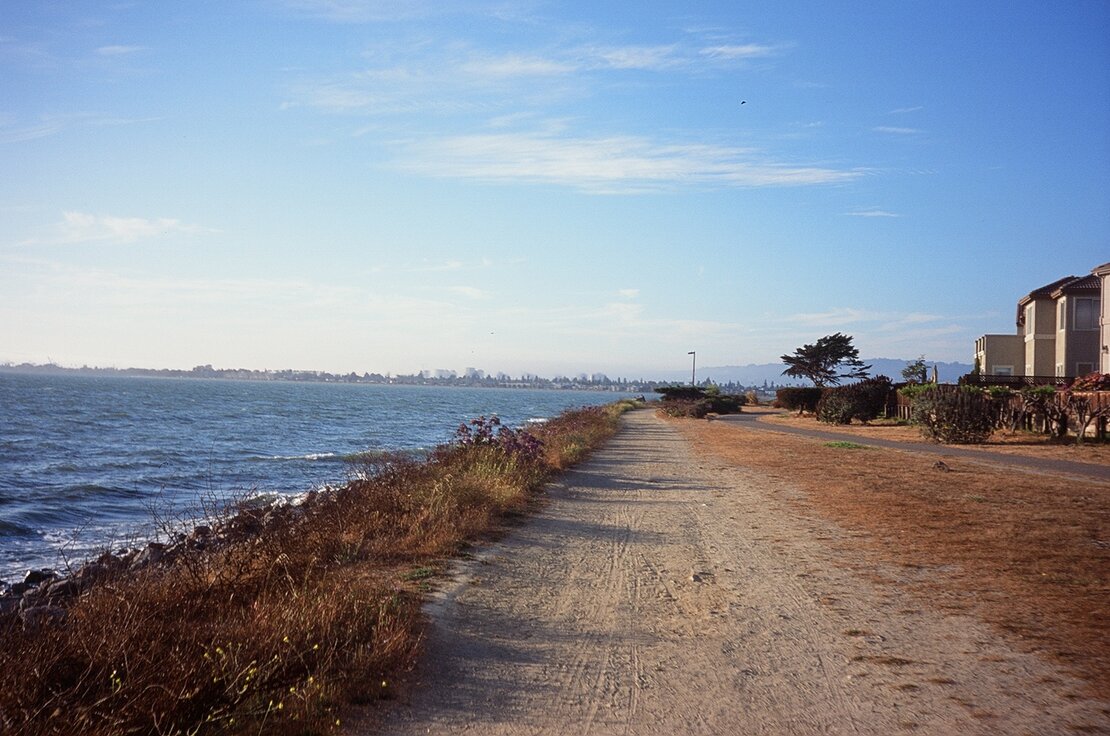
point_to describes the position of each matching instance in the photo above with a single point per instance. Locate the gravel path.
(662, 593)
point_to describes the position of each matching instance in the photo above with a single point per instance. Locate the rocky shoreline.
(43, 593)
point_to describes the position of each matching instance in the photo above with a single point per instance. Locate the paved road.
(1038, 465)
(660, 592)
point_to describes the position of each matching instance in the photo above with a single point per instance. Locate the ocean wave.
(83, 491)
(15, 529)
(312, 457)
(272, 498)
(98, 536)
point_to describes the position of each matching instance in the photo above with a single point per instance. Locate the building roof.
(1067, 285)
(1082, 283)
(1046, 291)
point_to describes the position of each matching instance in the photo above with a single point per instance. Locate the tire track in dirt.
(662, 593)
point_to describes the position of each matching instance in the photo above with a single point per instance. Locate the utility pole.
(693, 367)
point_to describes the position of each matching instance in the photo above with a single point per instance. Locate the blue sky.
(540, 187)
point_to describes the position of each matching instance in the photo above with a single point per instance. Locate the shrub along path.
(979, 454)
(665, 591)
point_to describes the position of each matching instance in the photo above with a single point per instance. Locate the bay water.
(89, 463)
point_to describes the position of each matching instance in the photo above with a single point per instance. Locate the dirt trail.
(663, 593)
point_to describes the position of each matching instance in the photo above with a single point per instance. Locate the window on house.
(1059, 369)
(1003, 370)
(1029, 326)
(1086, 314)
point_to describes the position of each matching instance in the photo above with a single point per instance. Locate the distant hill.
(755, 374)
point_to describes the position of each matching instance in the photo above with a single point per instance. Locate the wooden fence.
(900, 408)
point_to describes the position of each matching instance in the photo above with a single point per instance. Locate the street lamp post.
(693, 367)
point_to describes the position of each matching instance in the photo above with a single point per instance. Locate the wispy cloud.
(741, 51)
(402, 91)
(904, 110)
(892, 130)
(335, 97)
(443, 76)
(872, 212)
(360, 11)
(426, 265)
(633, 57)
(510, 120)
(26, 52)
(516, 65)
(18, 133)
(832, 317)
(433, 266)
(622, 312)
(387, 11)
(119, 50)
(82, 227)
(628, 293)
(12, 131)
(845, 316)
(917, 318)
(469, 292)
(630, 320)
(610, 164)
(303, 304)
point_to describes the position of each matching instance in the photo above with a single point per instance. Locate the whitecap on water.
(312, 456)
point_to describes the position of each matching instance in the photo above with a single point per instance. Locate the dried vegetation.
(295, 616)
(1026, 552)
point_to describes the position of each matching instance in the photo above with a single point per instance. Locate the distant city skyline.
(751, 374)
(543, 187)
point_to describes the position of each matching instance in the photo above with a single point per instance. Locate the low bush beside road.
(800, 399)
(967, 413)
(698, 402)
(863, 401)
(955, 414)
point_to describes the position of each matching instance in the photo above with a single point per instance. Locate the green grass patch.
(845, 445)
(420, 573)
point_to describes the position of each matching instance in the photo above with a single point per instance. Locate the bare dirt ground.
(664, 590)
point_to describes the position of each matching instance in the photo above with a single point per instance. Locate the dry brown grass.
(1030, 444)
(304, 612)
(1028, 553)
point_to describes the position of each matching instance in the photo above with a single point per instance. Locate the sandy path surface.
(664, 593)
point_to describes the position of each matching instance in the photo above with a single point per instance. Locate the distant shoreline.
(597, 383)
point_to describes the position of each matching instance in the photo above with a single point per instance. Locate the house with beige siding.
(1103, 274)
(1000, 355)
(1063, 330)
(1078, 308)
(1036, 323)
